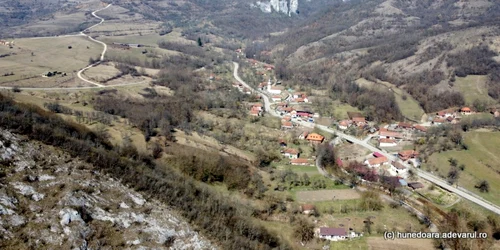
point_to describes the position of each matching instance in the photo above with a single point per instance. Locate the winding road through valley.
(464, 193)
(80, 72)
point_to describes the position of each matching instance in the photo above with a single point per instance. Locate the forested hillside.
(419, 46)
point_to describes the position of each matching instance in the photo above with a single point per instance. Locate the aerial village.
(396, 139)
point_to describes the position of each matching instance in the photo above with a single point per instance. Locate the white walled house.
(333, 234)
(387, 142)
(276, 98)
(398, 168)
(274, 89)
(345, 124)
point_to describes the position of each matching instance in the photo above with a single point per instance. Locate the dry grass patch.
(101, 73)
(210, 144)
(327, 195)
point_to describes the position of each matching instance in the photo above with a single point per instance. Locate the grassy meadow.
(481, 160)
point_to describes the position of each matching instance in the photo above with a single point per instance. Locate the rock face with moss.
(50, 200)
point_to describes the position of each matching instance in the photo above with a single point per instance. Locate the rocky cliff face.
(49, 200)
(287, 7)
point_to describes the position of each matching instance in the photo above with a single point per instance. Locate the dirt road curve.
(79, 74)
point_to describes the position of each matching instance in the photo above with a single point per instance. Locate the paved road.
(267, 104)
(468, 195)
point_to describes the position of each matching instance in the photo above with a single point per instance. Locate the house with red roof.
(286, 125)
(300, 162)
(359, 121)
(291, 153)
(465, 111)
(377, 162)
(384, 142)
(344, 124)
(315, 138)
(385, 134)
(404, 125)
(420, 128)
(445, 113)
(407, 154)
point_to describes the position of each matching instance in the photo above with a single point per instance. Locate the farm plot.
(325, 195)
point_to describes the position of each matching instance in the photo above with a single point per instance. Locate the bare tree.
(483, 186)
(303, 230)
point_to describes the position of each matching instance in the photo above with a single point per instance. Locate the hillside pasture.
(473, 88)
(481, 162)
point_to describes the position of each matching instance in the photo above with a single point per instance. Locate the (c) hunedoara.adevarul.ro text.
(391, 235)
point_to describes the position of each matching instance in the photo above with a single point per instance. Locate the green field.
(482, 161)
(472, 87)
(33, 57)
(356, 244)
(341, 109)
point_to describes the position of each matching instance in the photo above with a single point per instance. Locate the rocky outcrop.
(49, 200)
(287, 7)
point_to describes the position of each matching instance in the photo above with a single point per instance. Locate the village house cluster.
(355, 119)
(280, 94)
(381, 165)
(294, 154)
(392, 135)
(451, 116)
